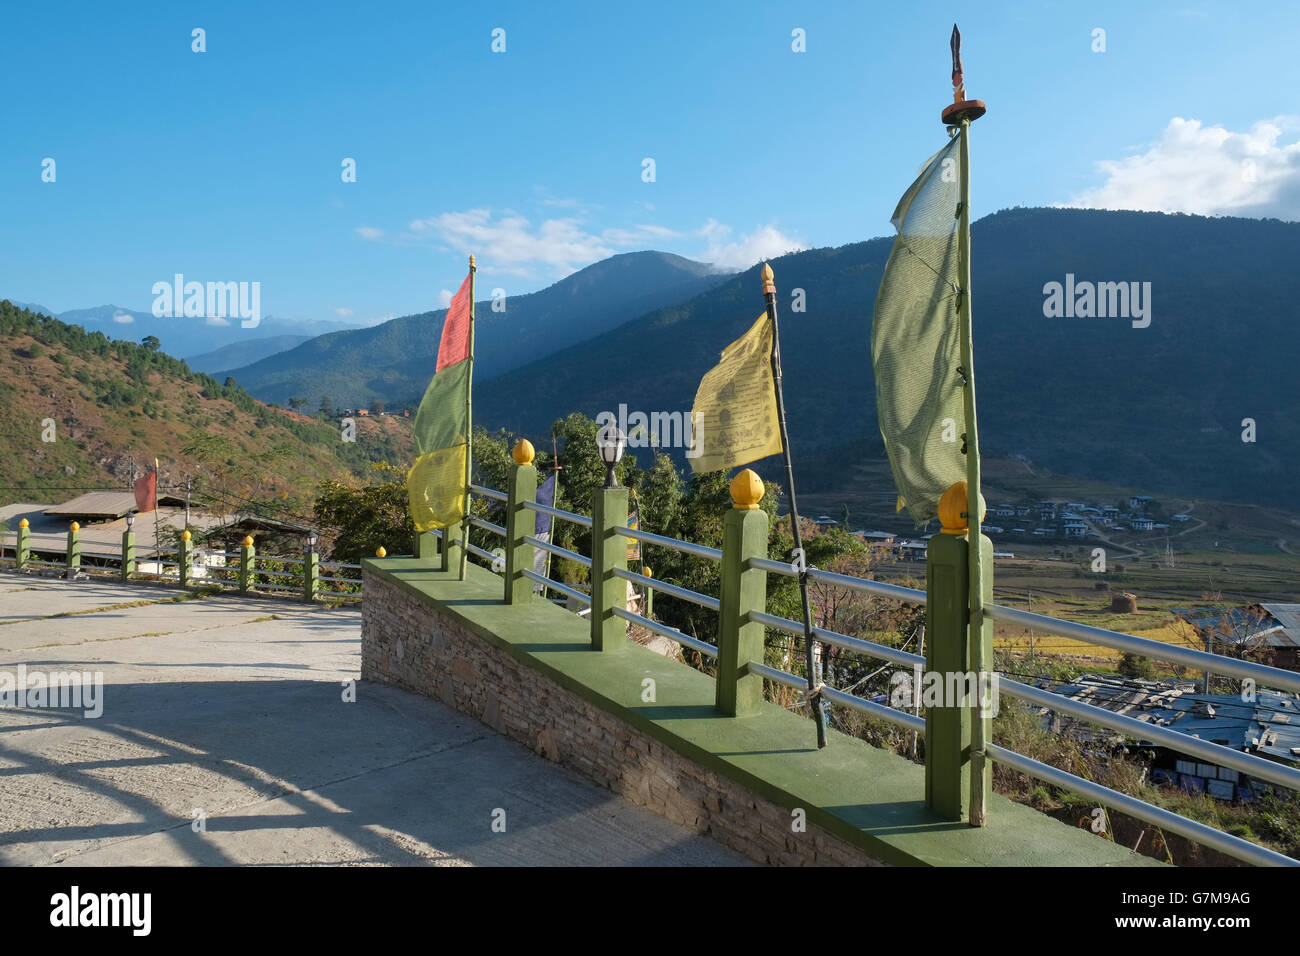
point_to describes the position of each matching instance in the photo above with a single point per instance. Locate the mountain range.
(393, 361)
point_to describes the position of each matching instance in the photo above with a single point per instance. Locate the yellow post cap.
(380, 552)
(74, 527)
(746, 490)
(953, 513)
(248, 540)
(523, 452)
(185, 535)
(649, 571)
(22, 523)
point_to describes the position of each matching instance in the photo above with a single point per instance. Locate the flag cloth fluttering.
(734, 416)
(916, 340)
(437, 483)
(146, 492)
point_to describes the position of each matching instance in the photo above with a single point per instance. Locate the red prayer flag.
(454, 346)
(146, 492)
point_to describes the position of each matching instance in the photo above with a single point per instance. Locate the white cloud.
(370, 233)
(344, 313)
(216, 320)
(765, 242)
(512, 245)
(444, 298)
(123, 318)
(1209, 171)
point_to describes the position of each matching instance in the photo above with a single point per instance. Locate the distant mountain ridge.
(394, 361)
(1162, 407)
(244, 353)
(185, 337)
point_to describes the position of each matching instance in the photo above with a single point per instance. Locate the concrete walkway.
(226, 738)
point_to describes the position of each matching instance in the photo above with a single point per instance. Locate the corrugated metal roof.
(1269, 725)
(105, 504)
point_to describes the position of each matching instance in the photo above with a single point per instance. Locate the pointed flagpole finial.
(769, 280)
(961, 108)
(471, 262)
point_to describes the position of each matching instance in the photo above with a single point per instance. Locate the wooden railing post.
(426, 546)
(128, 553)
(74, 549)
(183, 558)
(520, 522)
(608, 553)
(740, 640)
(247, 559)
(310, 572)
(951, 664)
(23, 545)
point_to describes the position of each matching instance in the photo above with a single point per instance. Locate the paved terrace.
(235, 706)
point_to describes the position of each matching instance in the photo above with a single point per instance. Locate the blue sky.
(225, 165)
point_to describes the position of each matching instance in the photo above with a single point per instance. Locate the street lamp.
(130, 521)
(611, 442)
(311, 543)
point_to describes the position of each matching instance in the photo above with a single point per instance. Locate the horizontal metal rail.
(686, 547)
(275, 557)
(266, 586)
(1263, 675)
(1255, 766)
(577, 519)
(276, 572)
(669, 632)
(339, 564)
(339, 580)
(878, 588)
(489, 492)
(556, 550)
(898, 717)
(1141, 810)
(487, 556)
(488, 526)
(554, 585)
(835, 638)
(672, 590)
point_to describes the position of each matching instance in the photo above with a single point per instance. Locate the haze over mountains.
(189, 337)
(394, 361)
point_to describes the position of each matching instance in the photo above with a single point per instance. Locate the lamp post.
(612, 443)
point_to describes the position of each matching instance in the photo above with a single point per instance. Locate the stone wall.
(407, 643)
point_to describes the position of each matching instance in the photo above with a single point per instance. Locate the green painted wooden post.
(247, 559)
(23, 546)
(128, 554)
(426, 546)
(310, 574)
(520, 522)
(450, 550)
(948, 728)
(608, 553)
(74, 549)
(183, 548)
(740, 640)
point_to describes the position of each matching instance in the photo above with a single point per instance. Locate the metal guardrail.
(556, 550)
(902, 719)
(488, 526)
(481, 553)
(672, 590)
(878, 588)
(554, 585)
(489, 492)
(1141, 810)
(581, 520)
(835, 638)
(686, 547)
(669, 632)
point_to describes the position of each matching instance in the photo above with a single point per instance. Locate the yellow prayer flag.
(436, 484)
(734, 416)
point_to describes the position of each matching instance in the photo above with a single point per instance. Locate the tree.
(151, 343)
(377, 407)
(326, 407)
(356, 521)
(297, 403)
(230, 382)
